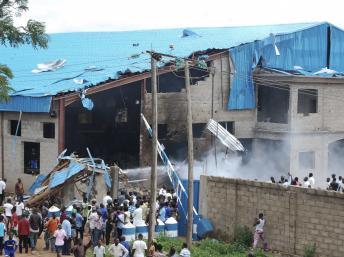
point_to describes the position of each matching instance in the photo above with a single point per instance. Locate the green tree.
(33, 33)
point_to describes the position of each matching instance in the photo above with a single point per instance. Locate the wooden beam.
(72, 97)
(61, 125)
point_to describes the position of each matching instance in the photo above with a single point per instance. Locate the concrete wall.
(31, 131)
(308, 133)
(209, 99)
(295, 217)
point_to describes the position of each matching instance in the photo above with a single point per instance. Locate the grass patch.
(205, 248)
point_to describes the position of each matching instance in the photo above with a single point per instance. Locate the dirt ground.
(39, 251)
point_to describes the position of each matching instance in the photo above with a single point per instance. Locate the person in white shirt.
(163, 191)
(340, 183)
(19, 208)
(306, 183)
(99, 250)
(107, 199)
(311, 180)
(8, 208)
(139, 247)
(137, 215)
(185, 252)
(2, 190)
(259, 231)
(118, 250)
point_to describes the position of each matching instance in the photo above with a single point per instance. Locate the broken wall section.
(209, 100)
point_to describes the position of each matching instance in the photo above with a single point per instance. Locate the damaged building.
(278, 89)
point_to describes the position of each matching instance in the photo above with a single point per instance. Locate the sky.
(115, 15)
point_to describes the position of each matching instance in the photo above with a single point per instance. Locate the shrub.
(309, 251)
(243, 235)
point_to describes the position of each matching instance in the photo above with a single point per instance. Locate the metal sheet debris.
(224, 136)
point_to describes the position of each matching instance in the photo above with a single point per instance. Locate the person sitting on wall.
(328, 182)
(334, 184)
(311, 180)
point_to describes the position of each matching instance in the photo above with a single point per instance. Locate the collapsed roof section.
(69, 170)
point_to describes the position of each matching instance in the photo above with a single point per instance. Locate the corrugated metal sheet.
(306, 48)
(110, 52)
(107, 179)
(61, 176)
(27, 104)
(36, 184)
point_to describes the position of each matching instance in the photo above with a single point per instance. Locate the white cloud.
(111, 15)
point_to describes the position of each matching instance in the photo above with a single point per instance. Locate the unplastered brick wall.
(295, 217)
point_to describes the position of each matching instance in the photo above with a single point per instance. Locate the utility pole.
(153, 191)
(190, 157)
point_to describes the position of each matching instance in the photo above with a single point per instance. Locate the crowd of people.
(100, 224)
(307, 182)
(333, 183)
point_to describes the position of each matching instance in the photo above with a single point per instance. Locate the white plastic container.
(128, 231)
(171, 227)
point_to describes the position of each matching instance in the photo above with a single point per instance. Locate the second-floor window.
(307, 101)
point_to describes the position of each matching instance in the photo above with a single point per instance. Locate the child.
(10, 246)
(2, 233)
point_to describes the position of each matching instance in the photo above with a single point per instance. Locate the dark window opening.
(228, 125)
(162, 131)
(307, 101)
(49, 130)
(306, 160)
(13, 128)
(335, 157)
(31, 158)
(273, 104)
(198, 129)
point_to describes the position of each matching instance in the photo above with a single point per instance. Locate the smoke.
(270, 159)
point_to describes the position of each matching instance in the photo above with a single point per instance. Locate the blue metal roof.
(27, 104)
(97, 56)
(111, 52)
(61, 176)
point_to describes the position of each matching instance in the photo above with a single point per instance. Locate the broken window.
(13, 128)
(306, 160)
(228, 125)
(307, 101)
(197, 130)
(273, 104)
(49, 130)
(31, 158)
(162, 131)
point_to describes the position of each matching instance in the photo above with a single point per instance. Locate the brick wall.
(295, 216)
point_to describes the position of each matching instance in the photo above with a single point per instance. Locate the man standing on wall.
(259, 231)
(2, 191)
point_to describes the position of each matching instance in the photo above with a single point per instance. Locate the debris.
(69, 170)
(189, 33)
(49, 66)
(224, 136)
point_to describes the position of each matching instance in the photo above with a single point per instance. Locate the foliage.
(309, 251)
(243, 235)
(33, 33)
(210, 248)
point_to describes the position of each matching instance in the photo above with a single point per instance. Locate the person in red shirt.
(23, 231)
(14, 222)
